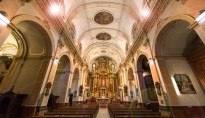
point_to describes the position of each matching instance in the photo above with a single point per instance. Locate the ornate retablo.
(103, 18)
(103, 36)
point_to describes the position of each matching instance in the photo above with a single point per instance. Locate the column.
(166, 82)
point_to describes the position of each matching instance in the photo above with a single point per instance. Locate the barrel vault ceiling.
(103, 27)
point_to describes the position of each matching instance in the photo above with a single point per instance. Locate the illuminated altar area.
(103, 78)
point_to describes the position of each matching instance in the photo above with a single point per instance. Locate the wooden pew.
(93, 107)
(92, 111)
(59, 116)
(127, 111)
(79, 109)
(137, 116)
(71, 112)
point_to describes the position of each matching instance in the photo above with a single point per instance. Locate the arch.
(169, 22)
(60, 84)
(182, 51)
(36, 51)
(114, 46)
(41, 25)
(140, 59)
(75, 82)
(61, 76)
(145, 79)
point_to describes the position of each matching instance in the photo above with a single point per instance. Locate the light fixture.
(145, 12)
(54, 8)
(56, 60)
(151, 60)
(130, 43)
(200, 17)
(3, 20)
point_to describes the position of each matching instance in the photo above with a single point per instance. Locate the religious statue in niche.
(157, 85)
(103, 82)
(75, 93)
(5, 63)
(48, 87)
(125, 90)
(95, 87)
(2, 70)
(81, 90)
(111, 88)
(103, 65)
(184, 84)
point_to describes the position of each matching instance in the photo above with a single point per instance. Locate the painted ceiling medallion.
(103, 36)
(103, 18)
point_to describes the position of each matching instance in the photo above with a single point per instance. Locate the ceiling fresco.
(103, 18)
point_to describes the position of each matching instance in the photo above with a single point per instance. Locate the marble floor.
(103, 113)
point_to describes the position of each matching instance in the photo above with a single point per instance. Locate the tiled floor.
(103, 113)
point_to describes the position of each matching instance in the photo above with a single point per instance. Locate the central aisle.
(103, 113)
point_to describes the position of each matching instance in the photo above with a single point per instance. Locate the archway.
(147, 89)
(75, 82)
(30, 64)
(183, 55)
(60, 84)
(131, 80)
(8, 51)
(37, 47)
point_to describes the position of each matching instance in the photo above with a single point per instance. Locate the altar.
(103, 79)
(103, 100)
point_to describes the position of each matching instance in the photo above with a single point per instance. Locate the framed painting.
(184, 84)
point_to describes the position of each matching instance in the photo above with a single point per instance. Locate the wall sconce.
(200, 17)
(56, 60)
(151, 61)
(48, 87)
(55, 8)
(3, 20)
(157, 85)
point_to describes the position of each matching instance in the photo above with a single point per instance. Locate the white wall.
(182, 67)
(58, 84)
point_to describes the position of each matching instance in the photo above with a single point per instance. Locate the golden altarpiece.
(103, 79)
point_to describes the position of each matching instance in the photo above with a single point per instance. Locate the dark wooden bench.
(72, 112)
(60, 116)
(137, 116)
(127, 111)
(93, 107)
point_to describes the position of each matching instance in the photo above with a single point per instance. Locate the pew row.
(60, 116)
(128, 111)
